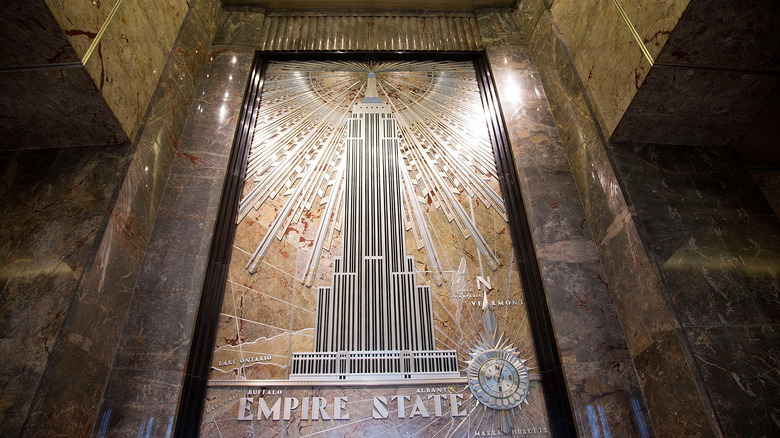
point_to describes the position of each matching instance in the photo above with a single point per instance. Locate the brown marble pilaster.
(656, 345)
(144, 384)
(601, 379)
(72, 385)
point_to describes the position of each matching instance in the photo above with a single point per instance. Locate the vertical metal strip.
(100, 33)
(207, 320)
(634, 33)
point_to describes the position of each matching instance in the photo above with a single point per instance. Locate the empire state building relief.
(372, 237)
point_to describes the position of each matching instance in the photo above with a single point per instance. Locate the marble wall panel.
(528, 14)
(500, 28)
(54, 204)
(635, 282)
(730, 60)
(564, 88)
(209, 12)
(669, 108)
(80, 21)
(32, 36)
(715, 238)
(167, 293)
(241, 27)
(606, 57)
(654, 21)
(621, 251)
(725, 34)
(132, 54)
(636, 285)
(531, 127)
(717, 244)
(169, 108)
(100, 308)
(768, 180)
(608, 399)
(675, 409)
(586, 323)
(742, 364)
(587, 327)
(89, 339)
(52, 109)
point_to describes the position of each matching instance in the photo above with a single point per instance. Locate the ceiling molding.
(353, 5)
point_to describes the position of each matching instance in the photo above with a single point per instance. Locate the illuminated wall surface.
(371, 208)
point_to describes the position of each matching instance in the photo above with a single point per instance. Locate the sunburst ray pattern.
(296, 156)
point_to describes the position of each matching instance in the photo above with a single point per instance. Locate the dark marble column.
(716, 242)
(601, 378)
(677, 314)
(53, 205)
(70, 390)
(144, 384)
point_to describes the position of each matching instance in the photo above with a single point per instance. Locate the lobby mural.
(372, 287)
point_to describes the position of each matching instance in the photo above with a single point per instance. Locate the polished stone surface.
(600, 376)
(717, 243)
(54, 204)
(732, 61)
(54, 109)
(635, 282)
(209, 14)
(38, 44)
(608, 400)
(715, 238)
(48, 100)
(500, 28)
(606, 56)
(240, 27)
(669, 109)
(655, 21)
(676, 409)
(132, 55)
(166, 296)
(665, 239)
(89, 337)
(741, 366)
(528, 14)
(721, 33)
(435, 5)
(768, 180)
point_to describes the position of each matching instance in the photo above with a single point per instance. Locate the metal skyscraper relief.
(371, 247)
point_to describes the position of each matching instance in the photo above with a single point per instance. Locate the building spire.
(371, 94)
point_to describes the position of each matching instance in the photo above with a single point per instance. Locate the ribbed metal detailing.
(374, 303)
(374, 319)
(355, 32)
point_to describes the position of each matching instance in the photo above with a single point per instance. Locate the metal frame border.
(559, 409)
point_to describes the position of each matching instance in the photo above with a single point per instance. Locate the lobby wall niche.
(372, 237)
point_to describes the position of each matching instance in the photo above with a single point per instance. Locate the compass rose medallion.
(497, 378)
